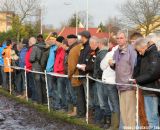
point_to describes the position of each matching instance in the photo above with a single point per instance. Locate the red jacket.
(59, 61)
(27, 59)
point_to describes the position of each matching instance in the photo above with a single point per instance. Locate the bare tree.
(7, 5)
(23, 8)
(113, 25)
(144, 14)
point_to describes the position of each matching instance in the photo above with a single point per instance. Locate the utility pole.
(87, 18)
(41, 19)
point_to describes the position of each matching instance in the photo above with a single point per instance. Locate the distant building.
(94, 32)
(6, 20)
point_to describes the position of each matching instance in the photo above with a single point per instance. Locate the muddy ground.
(15, 116)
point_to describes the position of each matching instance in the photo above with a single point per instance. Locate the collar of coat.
(150, 49)
(73, 45)
(123, 49)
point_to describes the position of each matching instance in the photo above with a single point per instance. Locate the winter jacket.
(137, 67)
(97, 70)
(85, 50)
(22, 56)
(109, 75)
(72, 65)
(66, 57)
(9, 55)
(90, 59)
(51, 58)
(59, 61)
(149, 71)
(35, 57)
(44, 58)
(27, 59)
(1, 50)
(125, 62)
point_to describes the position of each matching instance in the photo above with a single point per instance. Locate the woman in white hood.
(110, 88)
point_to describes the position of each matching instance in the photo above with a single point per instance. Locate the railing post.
(87, 85)
(48, 101)
(26, 84)
(137, 108)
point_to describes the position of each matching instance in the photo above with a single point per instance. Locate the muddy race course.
(15, 116)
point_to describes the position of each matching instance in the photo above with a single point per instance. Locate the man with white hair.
(35, 59)
(102, 95)
(124, 61)
(149, 77)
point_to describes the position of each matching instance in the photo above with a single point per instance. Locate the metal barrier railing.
(87, 84)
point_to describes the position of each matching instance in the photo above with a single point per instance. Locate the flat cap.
(85, 34)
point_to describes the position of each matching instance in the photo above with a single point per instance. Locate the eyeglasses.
(120, 38)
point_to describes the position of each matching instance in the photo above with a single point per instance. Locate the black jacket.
(149, 70)
(44, 58)
(137, 67)
(85, 50)
(90, 59)
(97, 70)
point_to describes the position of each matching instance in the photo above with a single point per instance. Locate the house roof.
(72, 30)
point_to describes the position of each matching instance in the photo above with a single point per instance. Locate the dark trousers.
(3, 77)
(20, 81)
(81, 103)
(31, 86)
(40, 88)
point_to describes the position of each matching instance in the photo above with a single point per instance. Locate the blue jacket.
(1, 50)
(51, 58)
(22, 55)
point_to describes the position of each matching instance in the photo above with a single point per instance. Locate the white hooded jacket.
(108, 75)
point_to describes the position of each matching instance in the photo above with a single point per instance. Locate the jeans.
(61, 93)
(3, 74)
(31, 86)
(50, 85)
(103, 99)
(112, 93)
(71, 94)
(20, 81)
(151, 108)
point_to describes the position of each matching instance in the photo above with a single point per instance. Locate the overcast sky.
(57, 12)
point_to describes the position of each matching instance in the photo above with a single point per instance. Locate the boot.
(114, 122)
(70, 108)
(91, 116)
(73, 113)
(23, 96)
(107, 123)
(51, 102)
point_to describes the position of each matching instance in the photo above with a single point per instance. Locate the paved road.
(14, 116)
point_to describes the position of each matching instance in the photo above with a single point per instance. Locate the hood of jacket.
(41, 45)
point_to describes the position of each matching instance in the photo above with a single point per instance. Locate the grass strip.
(55, 115)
